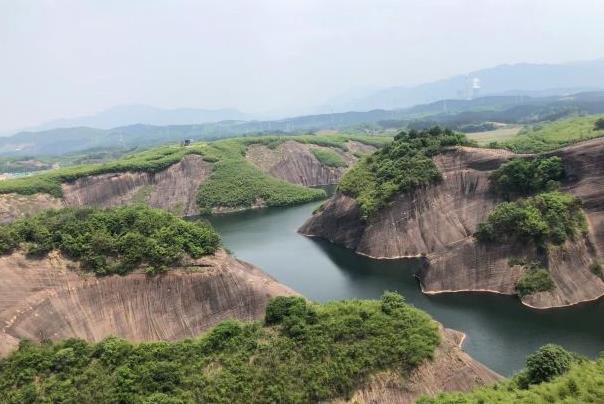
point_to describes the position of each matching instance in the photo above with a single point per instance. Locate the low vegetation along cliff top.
(107, 241)
(304, 352)
(552, 135)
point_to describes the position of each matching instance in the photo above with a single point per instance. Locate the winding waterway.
(500, 331)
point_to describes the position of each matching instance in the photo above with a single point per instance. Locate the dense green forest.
(398, 167)
(304, 352)
(552, 375)
(108, 241)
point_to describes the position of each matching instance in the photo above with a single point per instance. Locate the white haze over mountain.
(73, 58)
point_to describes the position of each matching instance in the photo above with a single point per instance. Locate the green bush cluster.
(552, 375)
(551, 217)
(524, 177)
(108, 241)
(400, 166)
(535, 279)
(328, 158)
(307, 353)
(548, 362)
(599, 124)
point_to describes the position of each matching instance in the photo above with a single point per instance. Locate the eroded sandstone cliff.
(426, 220)
(438, 221)
(173, 189)
(50, 299)
(294, 162)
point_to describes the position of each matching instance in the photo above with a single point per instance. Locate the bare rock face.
(50, 299)
(473, 267)
(338, 220)
(173, 189)
(13, 206)
(569, 268)
(294, 162)
(469, 266)
(584, 165)
(438, 221)
(450, 370)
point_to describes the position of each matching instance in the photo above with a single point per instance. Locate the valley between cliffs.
(437, 222)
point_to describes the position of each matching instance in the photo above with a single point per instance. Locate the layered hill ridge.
(175, 188)
(437, 221)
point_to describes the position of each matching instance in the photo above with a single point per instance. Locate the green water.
(500, 331)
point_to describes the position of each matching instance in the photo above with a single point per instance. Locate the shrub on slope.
(523, 177)
(552, 375)
(551, 217)
(400, 166)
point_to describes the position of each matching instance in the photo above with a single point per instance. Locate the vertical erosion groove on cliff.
(425, 220)
(50, 299)
(173, 189)
(438, 221)
(294, 162)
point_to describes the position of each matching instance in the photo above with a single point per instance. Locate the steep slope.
(437, 221)
(14, 205)
(294, 162)
(173, 189)
(422, 221)
(49, 298)
(450, 370)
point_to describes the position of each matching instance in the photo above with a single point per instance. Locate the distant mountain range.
(124, 115)
(454, 113)
(518, 79)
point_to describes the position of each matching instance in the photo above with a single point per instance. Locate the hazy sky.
(64, 58)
